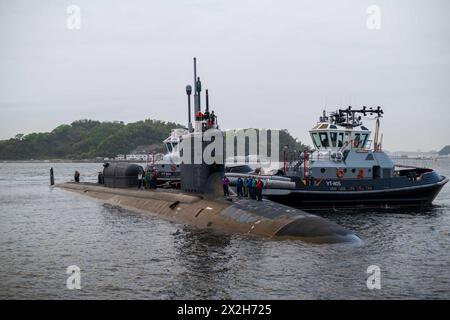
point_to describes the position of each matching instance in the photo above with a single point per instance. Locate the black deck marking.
(199, 211)
(174, 204)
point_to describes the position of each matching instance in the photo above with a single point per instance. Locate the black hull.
(396, 198)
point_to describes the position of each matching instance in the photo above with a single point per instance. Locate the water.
(121, 254)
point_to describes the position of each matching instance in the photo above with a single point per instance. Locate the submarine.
(200, 201)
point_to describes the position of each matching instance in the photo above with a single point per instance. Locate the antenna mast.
(197, 89)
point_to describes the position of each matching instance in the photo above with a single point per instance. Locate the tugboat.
(168, 168)
(345, 171)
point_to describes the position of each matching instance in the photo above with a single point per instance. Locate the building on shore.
(139, 157)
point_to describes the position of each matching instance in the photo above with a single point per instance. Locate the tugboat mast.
(349, 117)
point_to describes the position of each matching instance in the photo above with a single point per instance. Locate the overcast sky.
(272, 64)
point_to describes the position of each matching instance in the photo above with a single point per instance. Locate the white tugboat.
(347, 169)
(168, 168)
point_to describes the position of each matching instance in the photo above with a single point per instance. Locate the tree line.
(86, 139)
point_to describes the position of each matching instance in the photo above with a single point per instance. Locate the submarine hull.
(261, 218)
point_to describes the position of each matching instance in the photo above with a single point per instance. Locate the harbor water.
(125, 255)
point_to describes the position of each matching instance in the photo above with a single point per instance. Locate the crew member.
(139, 180)
(245, 187)
(249, 187)
(225, 183)
(213, 118)
(239, 185)
(207, 118)
(254, 188)
(76, 176)
(100, 178)
(154, 179)
(198, 121)
(259, 187)
(147, 179)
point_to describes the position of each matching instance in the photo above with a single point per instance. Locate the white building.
(120, 157)
(137, 157)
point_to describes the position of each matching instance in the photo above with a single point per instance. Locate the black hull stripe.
(440, 183)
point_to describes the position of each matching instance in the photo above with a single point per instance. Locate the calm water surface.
(121, 254)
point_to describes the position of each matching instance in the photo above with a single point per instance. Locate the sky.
(267, 64)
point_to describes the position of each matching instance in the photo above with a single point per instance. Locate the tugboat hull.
(412, 196)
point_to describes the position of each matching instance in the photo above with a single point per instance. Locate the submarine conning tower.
(196, 174)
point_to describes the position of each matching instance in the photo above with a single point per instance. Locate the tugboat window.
(357, 142)
(316, 140)
(322, 170)
(324, 139)
(376, 172)
(169, 147)
(347, 137)
(364, 139)
(341, 139)
(333, 136)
